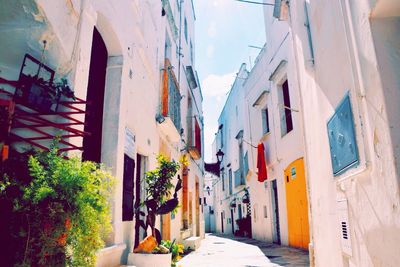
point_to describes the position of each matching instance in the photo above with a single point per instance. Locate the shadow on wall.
(386, 32)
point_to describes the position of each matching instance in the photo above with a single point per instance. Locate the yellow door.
(297, 205)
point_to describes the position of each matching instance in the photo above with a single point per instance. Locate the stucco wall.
(351, 56)
(134, 33)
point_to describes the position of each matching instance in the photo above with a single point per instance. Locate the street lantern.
(220, 155)
(215, 168)
(208, 189)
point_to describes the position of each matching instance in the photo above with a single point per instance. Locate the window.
(186, 30)
(223, 179)
(230, 181)
(191, 52)
(286, 112)
(222, 136)
(194, 134)
(127, 193)
(167, 46)
(265, 120)
(265, 212)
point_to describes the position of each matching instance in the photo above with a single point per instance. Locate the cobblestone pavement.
(224, 251)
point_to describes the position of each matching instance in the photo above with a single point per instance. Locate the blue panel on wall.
(342, 139)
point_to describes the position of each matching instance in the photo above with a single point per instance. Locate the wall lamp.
(160, 118)
(214, 168)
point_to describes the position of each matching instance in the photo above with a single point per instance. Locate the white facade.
(245, 114)
(355, 49)
(138, 36)
(209, 215)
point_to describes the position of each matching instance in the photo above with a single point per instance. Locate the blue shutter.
(277, 9)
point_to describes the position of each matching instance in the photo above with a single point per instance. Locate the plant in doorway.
(151, 252)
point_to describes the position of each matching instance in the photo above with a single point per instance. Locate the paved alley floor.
(221, 251)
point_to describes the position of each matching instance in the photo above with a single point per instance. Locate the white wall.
(352, 51)
(134, 34)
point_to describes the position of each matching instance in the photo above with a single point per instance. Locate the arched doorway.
(95, 99)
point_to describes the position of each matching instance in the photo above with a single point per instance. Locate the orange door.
(297, 205)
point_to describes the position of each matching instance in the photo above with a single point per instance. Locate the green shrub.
(61, 212)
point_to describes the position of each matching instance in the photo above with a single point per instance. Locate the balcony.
(169, 118)
(194, 138)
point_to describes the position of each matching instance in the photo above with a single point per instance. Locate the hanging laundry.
(261, 164)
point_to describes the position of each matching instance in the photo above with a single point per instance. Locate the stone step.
(192, 242)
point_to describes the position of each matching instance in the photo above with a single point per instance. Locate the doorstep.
(192, 242)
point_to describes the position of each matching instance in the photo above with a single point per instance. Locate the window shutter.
(127, 193)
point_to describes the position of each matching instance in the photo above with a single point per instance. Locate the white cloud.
(217, 85)
(210, 51)
(212, 29)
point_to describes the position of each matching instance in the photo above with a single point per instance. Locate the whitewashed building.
(133, 62)
(347, 56)
(263, 110)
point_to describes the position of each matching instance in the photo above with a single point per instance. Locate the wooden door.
(197, 203)
(297, 205)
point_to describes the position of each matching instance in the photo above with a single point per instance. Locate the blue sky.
(224, 30)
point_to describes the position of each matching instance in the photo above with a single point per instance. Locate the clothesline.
(249, 144)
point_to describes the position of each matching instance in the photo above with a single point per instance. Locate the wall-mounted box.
(342, 138)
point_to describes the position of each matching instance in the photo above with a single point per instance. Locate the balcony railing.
(171, 97)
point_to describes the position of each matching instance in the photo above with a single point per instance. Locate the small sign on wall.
(130, 141)
(293, 172)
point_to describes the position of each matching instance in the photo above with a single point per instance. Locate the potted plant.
(175, 249)
(150, 252)
(35, 92)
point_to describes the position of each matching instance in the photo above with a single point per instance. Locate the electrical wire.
(257, 3)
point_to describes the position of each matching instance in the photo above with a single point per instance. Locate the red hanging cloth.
(261, 164)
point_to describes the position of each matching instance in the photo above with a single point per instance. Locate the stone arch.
(110, 37)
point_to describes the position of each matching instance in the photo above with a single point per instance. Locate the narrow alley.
(221, 251)
(200, 133)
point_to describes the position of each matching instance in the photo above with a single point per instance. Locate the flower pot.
(38, 98)
(150, 260)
